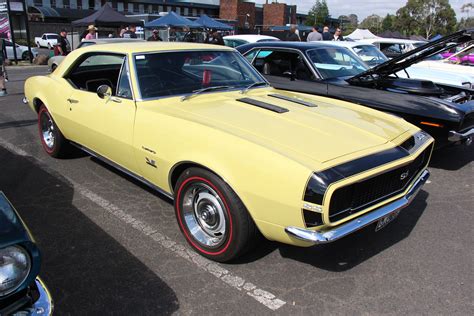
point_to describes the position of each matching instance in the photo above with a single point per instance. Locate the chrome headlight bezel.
(16, 254)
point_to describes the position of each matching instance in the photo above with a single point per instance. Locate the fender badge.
(150, 162)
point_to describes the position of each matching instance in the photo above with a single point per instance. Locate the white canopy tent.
(359, 34)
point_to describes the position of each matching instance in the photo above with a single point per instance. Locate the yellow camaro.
(199, 124)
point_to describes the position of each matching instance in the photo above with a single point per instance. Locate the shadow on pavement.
(452, 158)
(86, 270)
(21, 123)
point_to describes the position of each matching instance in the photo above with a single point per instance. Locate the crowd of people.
(315, 36)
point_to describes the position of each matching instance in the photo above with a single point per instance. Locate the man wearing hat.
(91, 29)
(155, 36)
(64, 47)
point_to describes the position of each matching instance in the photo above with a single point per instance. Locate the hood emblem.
(404, 175)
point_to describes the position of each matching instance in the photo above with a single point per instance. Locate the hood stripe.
(264, 105)
(293, 99)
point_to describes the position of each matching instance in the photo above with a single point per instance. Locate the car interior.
(280, 63)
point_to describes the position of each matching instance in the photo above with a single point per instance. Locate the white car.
(372, 56)
(393, 47)
(21, 51)
(237, 40)
(47, 40)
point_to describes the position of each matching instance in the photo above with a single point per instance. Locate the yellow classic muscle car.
(199, 124)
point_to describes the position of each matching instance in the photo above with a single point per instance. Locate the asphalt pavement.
(112, 246)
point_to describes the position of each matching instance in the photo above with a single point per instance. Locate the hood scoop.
(264, 105)
(293, 99)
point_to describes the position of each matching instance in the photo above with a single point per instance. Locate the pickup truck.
(47, 40)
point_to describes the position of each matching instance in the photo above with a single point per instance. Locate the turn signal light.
(432, 124)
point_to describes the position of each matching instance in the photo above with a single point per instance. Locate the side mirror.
(290, 74)
(104, 91)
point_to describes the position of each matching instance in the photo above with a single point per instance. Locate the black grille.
(354, 197)
(468, 122)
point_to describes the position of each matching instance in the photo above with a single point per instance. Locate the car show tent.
(210, 23)
(359, 34)
(106, 16)
(172, 19)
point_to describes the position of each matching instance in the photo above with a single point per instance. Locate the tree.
(466, 8)
(318, 13)
(387, 23)
(372, 22)
(426, 18)
(467, 23)
(348, 23)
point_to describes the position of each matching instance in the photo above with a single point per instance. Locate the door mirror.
(104, 91)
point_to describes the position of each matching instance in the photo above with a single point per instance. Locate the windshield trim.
(139, 91)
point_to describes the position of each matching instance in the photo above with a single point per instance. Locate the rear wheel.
(25, 55)
(53, 141)
(212, 217)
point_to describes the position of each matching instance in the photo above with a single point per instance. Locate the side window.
(124, 90)
(94, 70)
(43, 37)
(282, 63)
(250, 55)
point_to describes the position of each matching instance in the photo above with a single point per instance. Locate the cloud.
(363, 8)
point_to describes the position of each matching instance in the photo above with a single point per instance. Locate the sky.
(364, 8)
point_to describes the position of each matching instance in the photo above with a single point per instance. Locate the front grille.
(352, 198)
(468, 122)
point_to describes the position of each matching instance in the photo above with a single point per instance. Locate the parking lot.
(109, 244)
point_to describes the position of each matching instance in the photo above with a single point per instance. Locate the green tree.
(426, 18)
(466, 8)
(387, 23)
(348, 23)
(466, 23)
(373, 23)
(318, 13)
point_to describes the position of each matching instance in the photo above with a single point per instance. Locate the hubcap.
(203, 212)
(47, 130)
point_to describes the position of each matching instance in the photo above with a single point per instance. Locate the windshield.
(370, 55)
(181, 73)
(335, 62)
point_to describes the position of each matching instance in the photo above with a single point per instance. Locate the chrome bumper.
(465, 137)
(323, 237)
(43, 306)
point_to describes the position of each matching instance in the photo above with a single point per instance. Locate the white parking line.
(264, 297)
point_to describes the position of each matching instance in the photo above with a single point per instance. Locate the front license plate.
(384, 221)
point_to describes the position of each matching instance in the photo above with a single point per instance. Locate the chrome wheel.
(204, 214)
(47, 130)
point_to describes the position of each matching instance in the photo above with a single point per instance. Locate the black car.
(446, 112)
(21, 290)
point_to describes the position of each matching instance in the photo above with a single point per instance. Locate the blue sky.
(364, 8)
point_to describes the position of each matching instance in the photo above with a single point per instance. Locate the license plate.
(384, 221)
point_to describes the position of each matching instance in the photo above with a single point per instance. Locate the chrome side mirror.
(104, 91)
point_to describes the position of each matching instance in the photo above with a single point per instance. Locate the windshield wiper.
(255, 84)
(199, 91)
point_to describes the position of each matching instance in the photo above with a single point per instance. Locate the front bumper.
(465, 137)
(323, 237)
(42, 306)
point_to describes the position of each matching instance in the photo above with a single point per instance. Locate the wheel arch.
(181, 166)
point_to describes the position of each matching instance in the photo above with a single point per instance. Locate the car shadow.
(21, 123)
(86, 270)
(452, 157)
(348, 252)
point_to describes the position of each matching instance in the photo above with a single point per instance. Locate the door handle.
(72, 100)
(116, 100)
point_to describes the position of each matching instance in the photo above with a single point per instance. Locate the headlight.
(467, 85)
(15, 265)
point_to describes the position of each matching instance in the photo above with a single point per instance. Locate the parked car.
(200, 125)
(446, 112)
(460, 55)
(424, 70)
(21, 51)
(54, 61)
(393, 47)
(237, 40)
(22, 292)
(47, 40)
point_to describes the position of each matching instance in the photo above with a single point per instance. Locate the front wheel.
(211, 216)
(52, 140)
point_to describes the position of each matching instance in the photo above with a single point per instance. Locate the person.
(292, 36)
(123, 29)
(64, 47)
(3, 74)
(155, 36)
(314, 36)
(326, 35)
(91, 32)
(130, 33)
(338, 35)
(215, 38)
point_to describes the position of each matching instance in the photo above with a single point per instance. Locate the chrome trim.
(44, 305)
(323, 237)
(467, 136)
(122, 169)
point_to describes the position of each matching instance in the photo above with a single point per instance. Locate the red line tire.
(211, 216)
(52, 140)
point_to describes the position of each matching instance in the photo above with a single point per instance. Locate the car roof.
(282, 44)
(112, 40)
(248, 37)
(145, 47)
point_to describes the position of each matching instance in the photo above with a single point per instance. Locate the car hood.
(406, 60)
(327, 131)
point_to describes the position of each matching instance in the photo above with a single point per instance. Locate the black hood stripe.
(263, 105)
(293, 99)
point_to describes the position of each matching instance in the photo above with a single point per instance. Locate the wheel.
(38, 45)
(211, 216)
(25, 55)
(53, 141)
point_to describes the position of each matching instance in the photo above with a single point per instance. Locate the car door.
(287, 70)
(103, 124)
